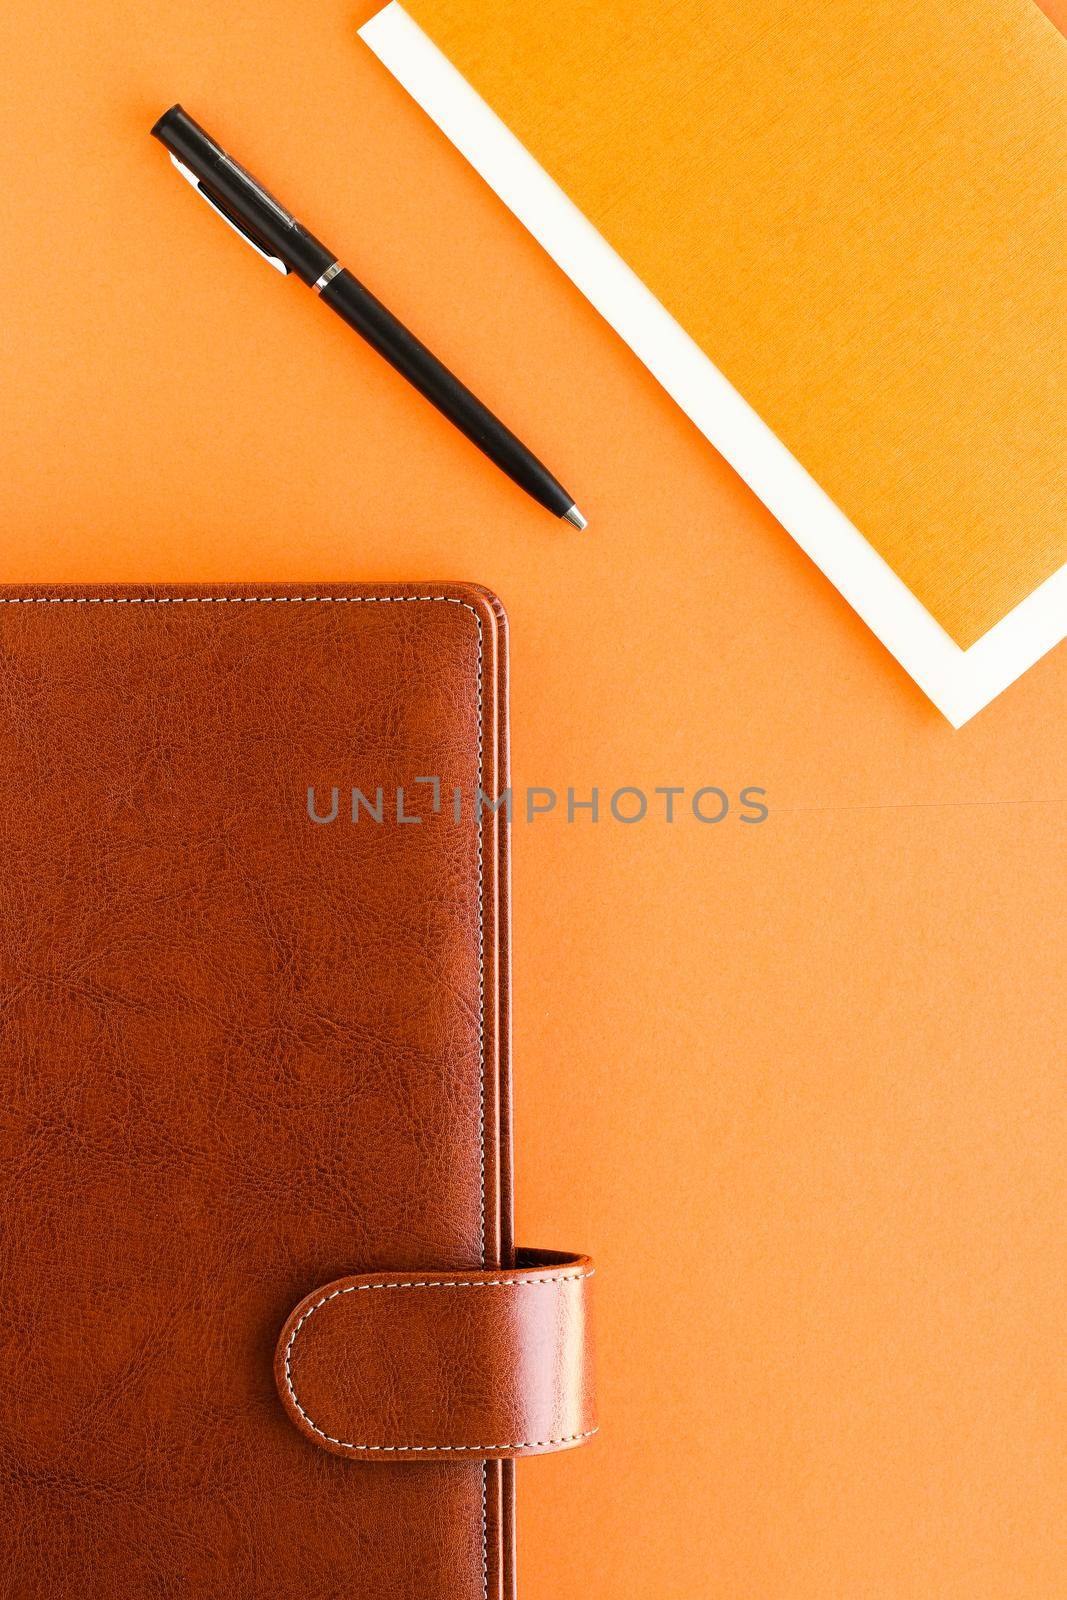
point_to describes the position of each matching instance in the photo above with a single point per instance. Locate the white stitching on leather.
(534, 1282)
(485, 1530)
(229, 600)
(459, 1283)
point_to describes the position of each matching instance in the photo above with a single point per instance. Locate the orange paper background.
(799, 1086)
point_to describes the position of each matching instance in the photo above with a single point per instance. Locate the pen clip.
(191, 177)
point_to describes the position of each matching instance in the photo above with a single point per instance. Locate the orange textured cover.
(857, 211)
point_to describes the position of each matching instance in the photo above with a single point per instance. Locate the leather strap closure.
(444, 1366)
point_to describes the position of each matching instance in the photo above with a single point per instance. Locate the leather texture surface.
(243, 1054)
(435, 1367)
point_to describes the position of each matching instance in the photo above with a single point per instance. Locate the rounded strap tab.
(444, 1366)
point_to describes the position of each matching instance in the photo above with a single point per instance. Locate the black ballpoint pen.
(276, 235)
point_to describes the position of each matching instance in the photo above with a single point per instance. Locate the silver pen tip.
(575, 518)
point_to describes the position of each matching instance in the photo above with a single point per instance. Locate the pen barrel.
(355, 305)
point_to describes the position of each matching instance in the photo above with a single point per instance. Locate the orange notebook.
(838, 235)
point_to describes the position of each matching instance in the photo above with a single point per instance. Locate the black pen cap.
(240, 196)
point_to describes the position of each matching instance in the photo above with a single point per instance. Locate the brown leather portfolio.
(265, 1332)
